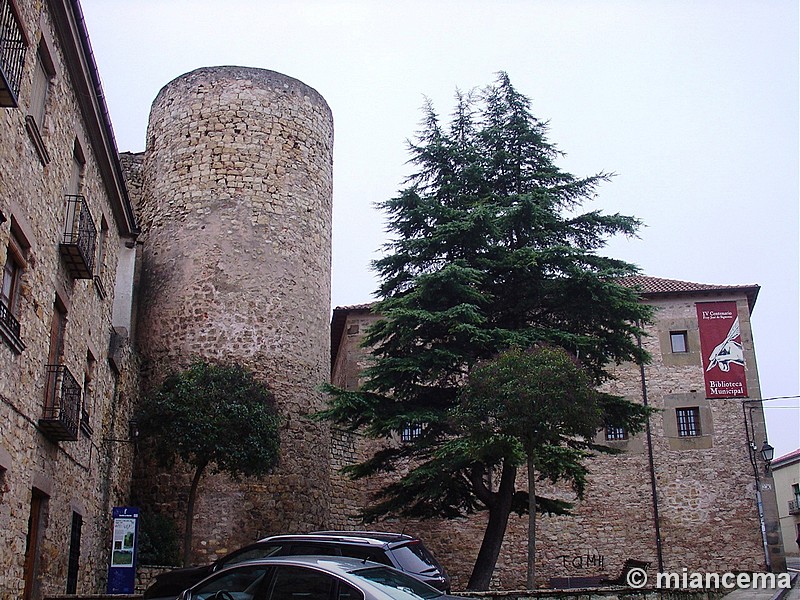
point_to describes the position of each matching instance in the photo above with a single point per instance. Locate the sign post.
(122, 568)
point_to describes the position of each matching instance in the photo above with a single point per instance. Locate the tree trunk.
(499, 510)
(187, 534)
(531, 583)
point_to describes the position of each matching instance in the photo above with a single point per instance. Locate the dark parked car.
(405, 553)
(311, 578)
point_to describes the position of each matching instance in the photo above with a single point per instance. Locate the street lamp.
(767, 453)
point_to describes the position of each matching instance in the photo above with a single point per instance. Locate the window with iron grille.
(411, 432)
(688, 421)
(74, 553)
(616, 433)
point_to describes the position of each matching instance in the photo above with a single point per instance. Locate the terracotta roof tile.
(786, 458)
(656, 286)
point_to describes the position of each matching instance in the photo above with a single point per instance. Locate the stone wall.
(90, 475)
(705, 486)
(236, 218)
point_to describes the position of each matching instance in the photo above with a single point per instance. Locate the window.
(243, 583)
(251, 554)
(36, 522)
(12, 54)
(11, 276)
(87, 407)
(74, 553)
(688, 421)
(411, 432)
(58, 327)
(42, 76)
(298, 583)
(13, 270)
(3, 485)
(678, 341)
(101, 251)
(796, 491)
(616, 433)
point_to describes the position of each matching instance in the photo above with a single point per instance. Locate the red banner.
(721, 347)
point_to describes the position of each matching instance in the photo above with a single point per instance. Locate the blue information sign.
(122, 568)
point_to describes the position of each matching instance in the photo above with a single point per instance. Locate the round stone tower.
(236, 219)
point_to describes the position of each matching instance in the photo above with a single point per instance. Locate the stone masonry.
(705, 486)
(74, 482)
(235, 209)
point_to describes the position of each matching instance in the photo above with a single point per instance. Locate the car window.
(393, 581)
(312, 549)
(249, 554)
(415, 558)
(298, 583)
(348, 592)
(240, 583)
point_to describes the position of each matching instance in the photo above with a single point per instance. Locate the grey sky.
(694, 104)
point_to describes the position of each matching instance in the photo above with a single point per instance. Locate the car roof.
(372, 538)
(334, 564)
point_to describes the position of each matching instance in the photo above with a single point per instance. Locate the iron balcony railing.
(12, 55)
(80, 238)
(794, 507)
(62, 405)
(8, 321)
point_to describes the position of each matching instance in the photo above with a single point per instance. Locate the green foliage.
(216, 415)
(158, 540)
(489, 251)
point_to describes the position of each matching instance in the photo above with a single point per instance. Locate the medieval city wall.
(236, 217)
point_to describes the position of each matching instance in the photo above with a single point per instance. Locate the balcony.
(9, 329)
(794, 507)
(12, 55)
(80, 238)
(62, 406)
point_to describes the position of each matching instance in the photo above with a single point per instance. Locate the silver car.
(311, 578)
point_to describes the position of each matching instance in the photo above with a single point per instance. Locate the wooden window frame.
(688, 418)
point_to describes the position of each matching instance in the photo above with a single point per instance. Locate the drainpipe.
(750, 435)
(651, 462)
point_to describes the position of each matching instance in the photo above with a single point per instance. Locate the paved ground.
(793, 565)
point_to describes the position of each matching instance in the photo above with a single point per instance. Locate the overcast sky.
(693, 104)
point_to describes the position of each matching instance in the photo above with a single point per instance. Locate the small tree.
(543, 400)
(212, 415)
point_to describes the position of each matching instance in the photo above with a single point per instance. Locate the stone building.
(682, 495)
(68, 377)
(215, 243)
(786, 472)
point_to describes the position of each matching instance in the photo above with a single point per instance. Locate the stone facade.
(705, 487)
(235, 206)
(786, 472)
(65, 390)
(233, 197)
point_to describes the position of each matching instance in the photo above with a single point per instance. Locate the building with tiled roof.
(786, 471)
(685, 494)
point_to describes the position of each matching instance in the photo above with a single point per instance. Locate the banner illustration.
(721, 348)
